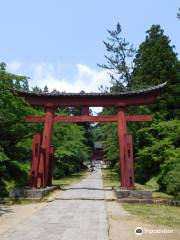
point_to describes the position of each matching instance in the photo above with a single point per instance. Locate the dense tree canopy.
(157, 144)
(155, 63)
(157, 152)
(16, 136)
(12, 129)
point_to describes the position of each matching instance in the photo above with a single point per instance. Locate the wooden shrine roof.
(134, 97)
(92, 94)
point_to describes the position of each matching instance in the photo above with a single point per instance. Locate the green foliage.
(119, 53)
(46, 90)
(178, 14)
(158, 154)
(155, 63)
(106, 133)
(71, 150)
(110, 142)
(169, 178)
(156, 146)
(3, 156)
(16, 136)
(12, 129)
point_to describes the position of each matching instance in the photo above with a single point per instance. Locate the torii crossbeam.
(41, 172)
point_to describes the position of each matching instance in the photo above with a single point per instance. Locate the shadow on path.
(4, 210)
(88, 188)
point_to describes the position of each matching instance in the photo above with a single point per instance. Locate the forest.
(156, 144)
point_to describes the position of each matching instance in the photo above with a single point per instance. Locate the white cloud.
(63, 77)
(84, 78)
(14, 67)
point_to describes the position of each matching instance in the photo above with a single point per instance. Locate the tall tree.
(16, 136)
(119, 54)
(46, 90)
(178, 14)
(13, 130)
(155, 63)
(36, 89)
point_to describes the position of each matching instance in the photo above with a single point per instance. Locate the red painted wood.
(84, 110)
(122, 129)
(41, 169)
(45, 157)
(35, 159)
(85, 118)
(138, 118)
(129, 161)
(45, 161)
(44, 173)
(88, 118)
(85, 101)
(51, 166)
(95, 101)
(34, 119)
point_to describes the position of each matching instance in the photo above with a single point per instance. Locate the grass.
(69, 180)
(110, 178)
(63, 182)
(157, 214)
(153, 187)
(160, 195)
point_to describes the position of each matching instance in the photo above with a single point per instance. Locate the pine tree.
(120, 51)
(155, 63)
(46, 90)
(178, 14)
(36, 89)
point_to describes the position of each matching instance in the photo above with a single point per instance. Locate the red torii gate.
(42, 149)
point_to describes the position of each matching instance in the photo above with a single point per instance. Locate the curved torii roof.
(128, 98)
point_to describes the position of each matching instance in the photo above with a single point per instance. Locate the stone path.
(79, 213)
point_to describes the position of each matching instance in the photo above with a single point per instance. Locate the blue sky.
(59, 42)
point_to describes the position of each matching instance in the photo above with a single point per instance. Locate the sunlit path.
(77, 213)
(90, 188)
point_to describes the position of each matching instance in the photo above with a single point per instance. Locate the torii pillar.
(45, 164)
(125, 149)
